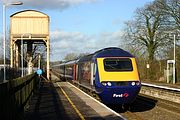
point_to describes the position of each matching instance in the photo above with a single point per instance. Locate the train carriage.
(66, 70)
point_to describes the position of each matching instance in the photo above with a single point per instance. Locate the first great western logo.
(120, 95)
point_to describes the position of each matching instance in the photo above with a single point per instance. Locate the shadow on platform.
(45, 105)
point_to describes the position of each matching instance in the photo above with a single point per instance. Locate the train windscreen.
(118, 64)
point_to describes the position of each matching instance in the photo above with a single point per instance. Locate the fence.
(14, 96)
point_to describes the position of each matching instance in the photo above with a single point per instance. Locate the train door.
(93, 72)
(77, 72)
(74, 72)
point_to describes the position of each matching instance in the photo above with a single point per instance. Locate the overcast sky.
(80, 26)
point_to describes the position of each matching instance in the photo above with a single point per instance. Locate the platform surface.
(63, 101)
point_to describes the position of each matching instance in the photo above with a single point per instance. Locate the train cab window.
(118, 64)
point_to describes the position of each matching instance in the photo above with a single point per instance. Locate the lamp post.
(22, 54)
(4, 31)
(174, 63)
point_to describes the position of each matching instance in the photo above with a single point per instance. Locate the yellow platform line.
(72, 104)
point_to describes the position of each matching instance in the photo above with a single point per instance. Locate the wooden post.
(48, 57)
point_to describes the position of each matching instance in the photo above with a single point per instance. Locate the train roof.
(106, 52)
(70, 62)
(66, 63)
(112, 52)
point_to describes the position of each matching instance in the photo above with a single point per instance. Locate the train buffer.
(63, 101)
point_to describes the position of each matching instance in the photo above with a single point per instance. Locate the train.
(111, 72)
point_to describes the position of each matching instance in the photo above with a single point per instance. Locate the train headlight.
(104, 83)
(133, 83)
(109, 83)
(138, 83)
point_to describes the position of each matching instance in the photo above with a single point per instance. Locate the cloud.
(63, 42)
(53, 4)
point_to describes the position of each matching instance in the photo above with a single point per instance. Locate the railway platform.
(63, 101)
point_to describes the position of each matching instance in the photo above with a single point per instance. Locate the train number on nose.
(120, 95)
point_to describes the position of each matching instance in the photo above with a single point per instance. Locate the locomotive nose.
(119, 95)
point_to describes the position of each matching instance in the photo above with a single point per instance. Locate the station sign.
(170, 61)
(39, 72)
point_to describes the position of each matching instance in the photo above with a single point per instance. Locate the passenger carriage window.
(117, 64)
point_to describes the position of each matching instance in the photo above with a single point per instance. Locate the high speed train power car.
(111, 72)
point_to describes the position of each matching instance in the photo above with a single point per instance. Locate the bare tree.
(171, 8)
(70, 56)
(36, 50)
(146, 32)
(73, 56)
